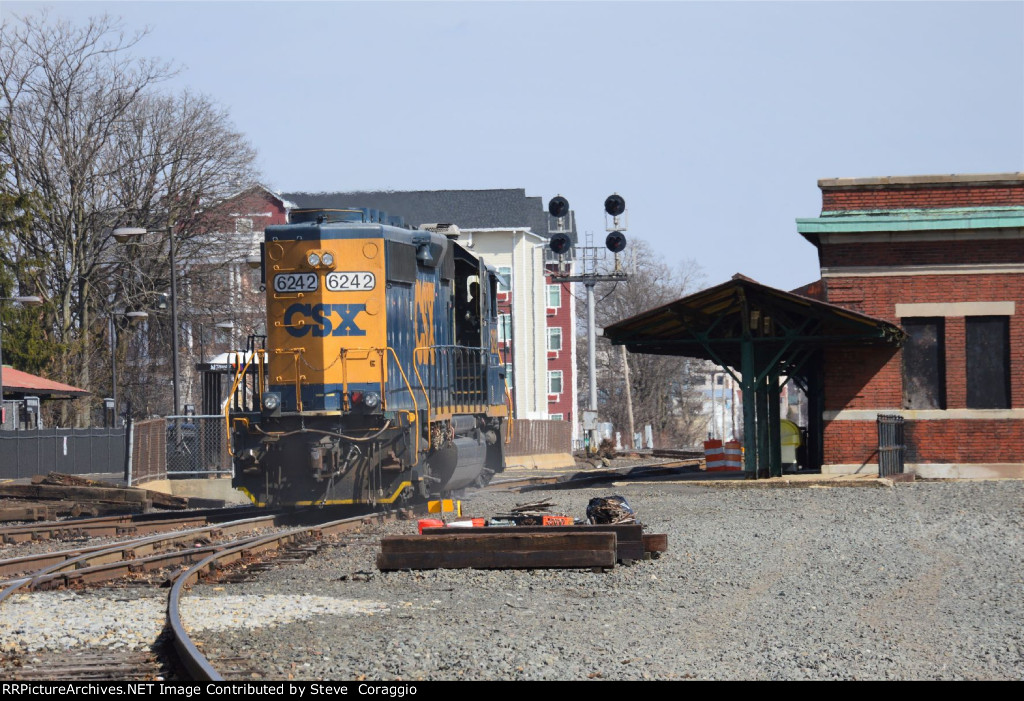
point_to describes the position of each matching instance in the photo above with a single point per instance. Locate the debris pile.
(614, 509)
(537, 513)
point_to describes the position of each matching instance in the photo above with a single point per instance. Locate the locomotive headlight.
(327, 258)
(313, 259)
(371, 400)
(271, 402)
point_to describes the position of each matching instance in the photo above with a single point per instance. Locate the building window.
(924, 363)
(556, 417)
(988, 362)
(555, 382)
(243, 225)
(504, 328)
(506, 274)
(554, 339)
(508, 375)
(554, 296)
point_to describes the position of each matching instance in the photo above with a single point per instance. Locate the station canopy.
(759, 335)
(22, 384)
(717, 323)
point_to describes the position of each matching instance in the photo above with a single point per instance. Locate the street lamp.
(132, 318)
(30, 300)
(126, 234)
(223, 326)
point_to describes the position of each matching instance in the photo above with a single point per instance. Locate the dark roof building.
(467, 209)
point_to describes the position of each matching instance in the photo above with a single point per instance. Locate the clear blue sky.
(713, 120)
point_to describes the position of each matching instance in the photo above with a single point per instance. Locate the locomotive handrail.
(476, 387)
(416, 369)
(412, 395)
(508, 400)
(239, 374)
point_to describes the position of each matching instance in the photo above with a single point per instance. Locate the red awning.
(23, 383)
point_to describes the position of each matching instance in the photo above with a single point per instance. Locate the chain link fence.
(179, 447)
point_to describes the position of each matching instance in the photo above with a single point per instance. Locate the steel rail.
(195, 663)
(118, 525)
(85, 566)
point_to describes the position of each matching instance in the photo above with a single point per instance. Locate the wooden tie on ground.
(460, 548)
(49, 500)
(520, 547)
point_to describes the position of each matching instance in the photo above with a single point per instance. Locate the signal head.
(560, 243)
(615, 205)
(558, 206)
(615, 241)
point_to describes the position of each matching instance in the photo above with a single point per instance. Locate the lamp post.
(30, 300)
(126, 234)
(132, 318)
(221, 325)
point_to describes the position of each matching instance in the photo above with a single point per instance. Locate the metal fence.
(891, 446)
(179, 447)
(70, 451)
(539, 437)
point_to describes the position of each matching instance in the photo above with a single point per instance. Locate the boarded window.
(988, 362)
(924, 363)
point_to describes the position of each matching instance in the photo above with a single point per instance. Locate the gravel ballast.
(914, 581)
(918, 581)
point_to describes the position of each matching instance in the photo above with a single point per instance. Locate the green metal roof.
(913, 220)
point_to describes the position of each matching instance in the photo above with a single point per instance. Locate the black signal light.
(615, 241)
(558, 207)
(615, 205)
(560, 243)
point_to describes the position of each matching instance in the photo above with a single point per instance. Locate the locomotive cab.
(380, 380)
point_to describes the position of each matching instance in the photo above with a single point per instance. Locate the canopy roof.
(764, 334)
(713, 324)
(26, 384)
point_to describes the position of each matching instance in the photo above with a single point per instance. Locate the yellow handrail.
(239, 374)
(416, 369)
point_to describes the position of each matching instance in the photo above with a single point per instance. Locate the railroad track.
(121, 525)
(221, 553)
(666, 468)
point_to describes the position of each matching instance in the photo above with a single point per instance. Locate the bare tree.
(91, 136)
(665, 389)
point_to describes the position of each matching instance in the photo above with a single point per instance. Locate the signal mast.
(588, 257)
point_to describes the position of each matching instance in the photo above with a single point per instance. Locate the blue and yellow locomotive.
(380, 380)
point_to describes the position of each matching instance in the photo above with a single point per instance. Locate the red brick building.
(942, 257)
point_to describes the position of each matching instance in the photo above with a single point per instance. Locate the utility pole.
(588, 256)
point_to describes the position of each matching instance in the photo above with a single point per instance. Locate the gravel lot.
(918, 581)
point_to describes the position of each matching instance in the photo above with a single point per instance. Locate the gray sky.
(713, 120)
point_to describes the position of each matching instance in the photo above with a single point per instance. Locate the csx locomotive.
(380, 380)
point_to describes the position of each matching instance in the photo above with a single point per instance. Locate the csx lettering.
(324, 320)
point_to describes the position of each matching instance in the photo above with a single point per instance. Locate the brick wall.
(923, 197)
(976, 441)
(562, 317)
(876, 254)
(870, 378)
